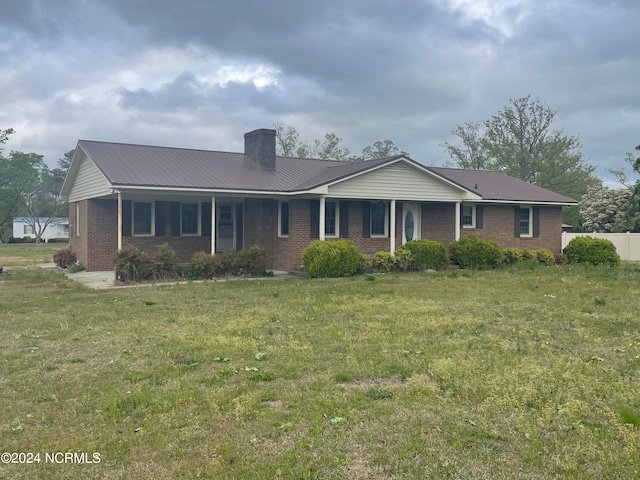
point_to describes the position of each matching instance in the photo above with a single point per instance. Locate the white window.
(331, 219)
(190, 219)
(142, 218)
(468, 216)
(379, 219)
(526, 222)
(283, 219)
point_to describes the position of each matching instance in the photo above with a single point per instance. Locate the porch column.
(119, 220)
(457, 236)
(392, 228)
(213, 225)
(322, 215)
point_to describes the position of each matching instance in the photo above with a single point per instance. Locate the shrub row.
(341, 258)
(134, 265)
(29, 239)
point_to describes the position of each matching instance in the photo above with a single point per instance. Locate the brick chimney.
(260, 149)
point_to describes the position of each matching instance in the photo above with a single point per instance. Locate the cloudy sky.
(201, 73)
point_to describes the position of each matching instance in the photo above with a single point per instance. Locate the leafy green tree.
(470, 152)
(288, 144)
(30, 189)
(380, 149)
(629, 219)
(519, 140)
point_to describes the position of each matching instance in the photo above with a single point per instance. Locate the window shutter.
(175, 219)
(536, 221)
(205, 219)
(461, 213)
(160, 219)
(366, 219)
(314, 210)
(239, 226)
(344, 219)
(126, 218)
(516, 221)
(478, 216)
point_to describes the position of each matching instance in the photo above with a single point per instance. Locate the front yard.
(533, 374)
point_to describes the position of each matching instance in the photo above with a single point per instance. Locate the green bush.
(596, 251)
(512, 255)
(365, 265)
(382, 262)
(427, 254)
(205, 266)
(545, 257)
(475, 253)
(165, 262)
(132, 265)
(26, 239)
(62, 258)
(331, 258)
(403, 260)
(250, 260)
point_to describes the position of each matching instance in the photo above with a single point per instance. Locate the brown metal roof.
(153, 166)
(150, 166)
(497, 186)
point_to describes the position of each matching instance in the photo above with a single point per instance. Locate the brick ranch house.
(197, 200)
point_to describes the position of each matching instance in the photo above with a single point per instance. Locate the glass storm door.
(225, 228)
(410, 222)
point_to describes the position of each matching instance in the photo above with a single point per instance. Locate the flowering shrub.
(132, 265)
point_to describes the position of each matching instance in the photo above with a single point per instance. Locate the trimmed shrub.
(205, 266)
(403, 260)
(597, 251)
(427, 254)
(382, 262)
(512, 255)
(545, 257)
(132, 265)
(165, 261)
(475, 253)
(331, 258)
(27, 239)
(250, 260)
(62, 258)
(365, 265)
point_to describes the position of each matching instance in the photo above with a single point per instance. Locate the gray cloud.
(200, 74)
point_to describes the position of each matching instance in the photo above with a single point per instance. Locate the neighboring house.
(58, 228)
(197, 200)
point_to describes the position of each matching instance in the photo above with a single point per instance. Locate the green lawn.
(20, 255)
(533, 374)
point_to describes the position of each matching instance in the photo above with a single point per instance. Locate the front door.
(410, 222)
(225, 228)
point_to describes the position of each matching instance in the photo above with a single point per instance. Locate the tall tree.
(629, 219)
(27, 182)
(288, 144)
(470, 152)
(520, 141)
(9, 201)
(380, 149)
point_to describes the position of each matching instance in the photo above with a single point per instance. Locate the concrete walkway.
(99, 280)
(90, 279)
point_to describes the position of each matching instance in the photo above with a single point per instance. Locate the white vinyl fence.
(627, 244)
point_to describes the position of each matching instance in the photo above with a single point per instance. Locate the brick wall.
(438, 222)
(498, 226)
